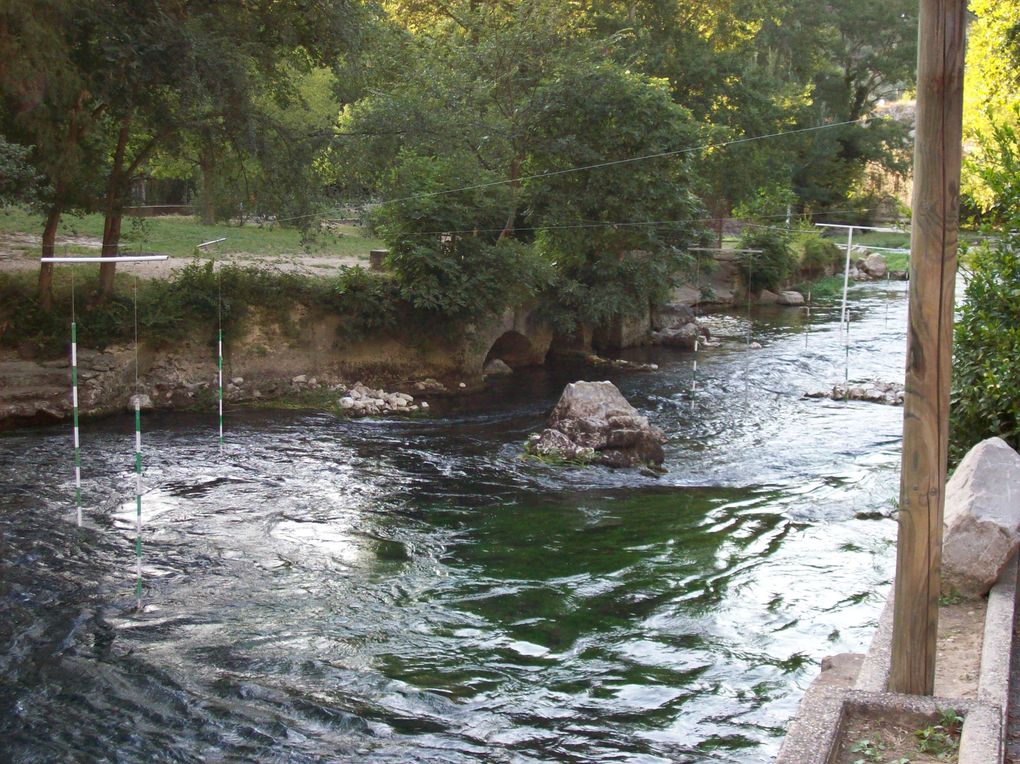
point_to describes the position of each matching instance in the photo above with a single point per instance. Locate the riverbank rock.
(497, 367)
(674, 325)
(889, 393)
(982, 518)
(360, 400)
(874, 266)
(790, 298)
(619, 363)
(593, 422)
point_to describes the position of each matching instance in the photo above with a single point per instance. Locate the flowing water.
(380, 590)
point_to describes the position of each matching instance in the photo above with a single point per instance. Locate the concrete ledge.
(814, 735)
(874, 674)
(993, 682)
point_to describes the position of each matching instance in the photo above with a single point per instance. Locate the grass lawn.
(177, 235)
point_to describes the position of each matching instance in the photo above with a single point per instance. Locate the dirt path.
(20, 252)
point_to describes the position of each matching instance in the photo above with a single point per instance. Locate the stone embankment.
(360, 400)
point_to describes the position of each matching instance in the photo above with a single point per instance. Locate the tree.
(617, 232)
(991, 107)
(48, 107)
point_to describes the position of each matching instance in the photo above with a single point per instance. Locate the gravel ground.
(14, 257)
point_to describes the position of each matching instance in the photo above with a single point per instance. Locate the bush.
(768, 268)
(820, 258)
(986, 353)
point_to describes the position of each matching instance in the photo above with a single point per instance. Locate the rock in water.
(982, 518)
(497, 367)
(594, 422)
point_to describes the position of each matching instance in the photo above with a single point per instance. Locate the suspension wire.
(609, 163)
(622, 224)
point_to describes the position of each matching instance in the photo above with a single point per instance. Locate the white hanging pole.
(138, 502)
(74, 406)
(843, 316)
(138, 467)
(219, 352)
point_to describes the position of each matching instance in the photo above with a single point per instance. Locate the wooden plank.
(929, 344)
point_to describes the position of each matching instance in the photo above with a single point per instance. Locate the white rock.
(300, 379)
(347, 403)
(400, 402)
(424, 405)
(143, 402)
(238, 381)
(462, 385)
(982, 518)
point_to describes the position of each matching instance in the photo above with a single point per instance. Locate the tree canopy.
(473, 115)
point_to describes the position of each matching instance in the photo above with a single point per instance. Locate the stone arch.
(514, 349)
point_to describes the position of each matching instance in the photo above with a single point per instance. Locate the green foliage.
(617, 234)
(943, 738)
(869, 750)
(820, 258)
(371, 303)
(192, 304)
(986, 349)
(20, 182)
(446, 251)
(770, 267)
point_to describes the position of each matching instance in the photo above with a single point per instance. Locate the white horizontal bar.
(117, 259)
(861, 227)
(214, 241)
(881, 249)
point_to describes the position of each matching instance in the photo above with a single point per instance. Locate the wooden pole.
(936, 205)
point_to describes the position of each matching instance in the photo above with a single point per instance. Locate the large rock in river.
(982, 518)
(594, 422)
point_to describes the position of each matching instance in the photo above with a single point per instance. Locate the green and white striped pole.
(138, 500)
(74, 415)
(219, 369)
(694, 377)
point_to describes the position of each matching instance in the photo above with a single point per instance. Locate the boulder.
(982, 518)
(790, 298)
(874, 265)
(765, 297)
(594, 422)
(497, 367)
(672, 315)
(682, 337)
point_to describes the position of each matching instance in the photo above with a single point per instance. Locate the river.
(415, 590)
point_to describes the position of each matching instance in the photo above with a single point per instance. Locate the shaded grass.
(177, 235)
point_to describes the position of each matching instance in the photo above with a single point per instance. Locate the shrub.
(986, 353)
(820, 257)
(768, 268)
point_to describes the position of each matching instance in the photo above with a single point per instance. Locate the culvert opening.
(514, 349)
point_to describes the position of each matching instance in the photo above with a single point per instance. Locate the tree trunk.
(115, 187)
(49, 236)
(205, 164)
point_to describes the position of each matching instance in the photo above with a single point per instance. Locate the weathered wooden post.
(936, 205)
(376, 258)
